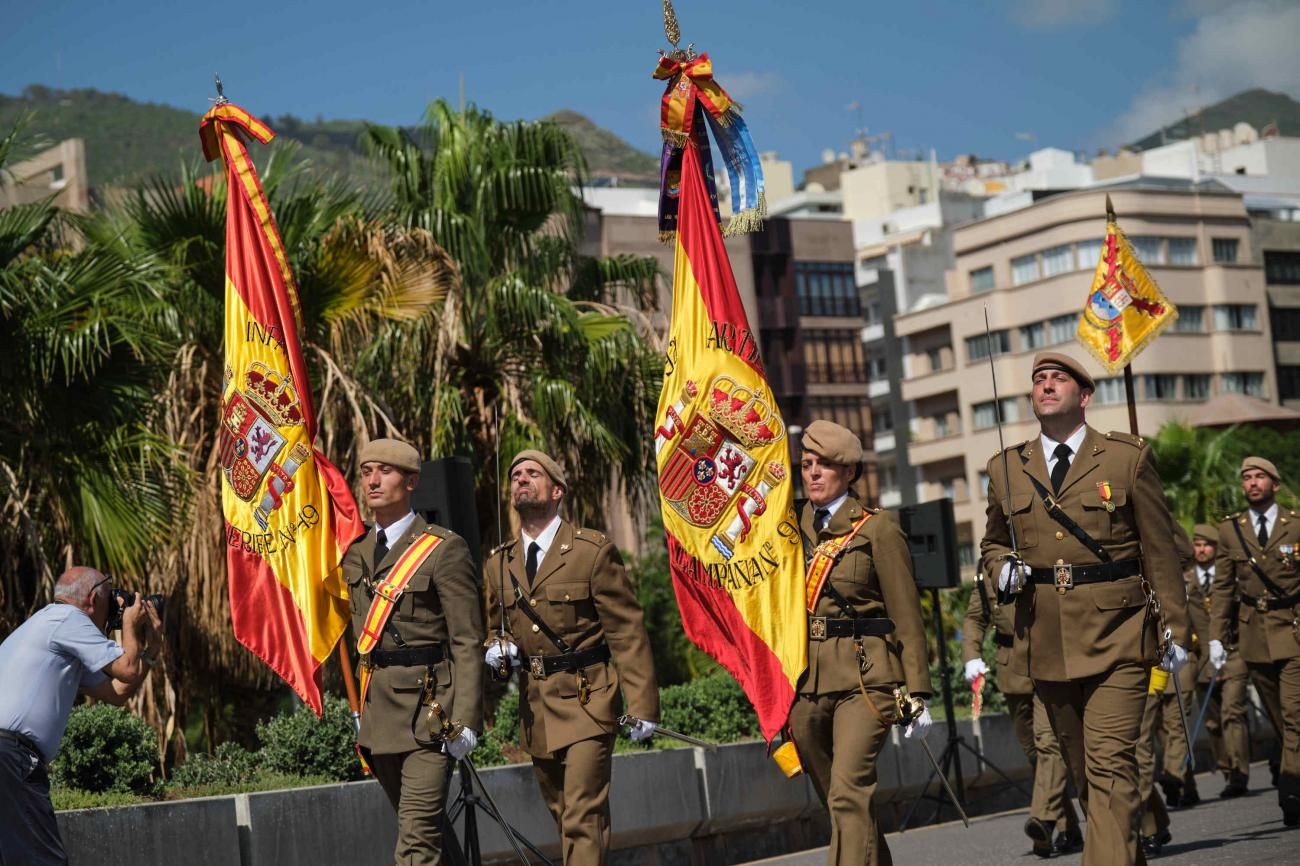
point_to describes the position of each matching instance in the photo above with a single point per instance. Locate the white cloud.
(745, 86)
(1234, 47)
(1055, 14)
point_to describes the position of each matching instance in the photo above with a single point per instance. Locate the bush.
(299, 744)
(231, 764)
(713, 708)
(106, 749)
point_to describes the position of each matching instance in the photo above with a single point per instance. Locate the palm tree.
(548, 340)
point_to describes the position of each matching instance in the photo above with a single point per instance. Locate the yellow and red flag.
(289, 515)
(1125, 309)
(724, 474)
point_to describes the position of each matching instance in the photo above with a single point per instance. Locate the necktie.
(1062, 454)
(1263, 530)
(381, 546)
(820, 518)
(530, 566)
(1205, 582)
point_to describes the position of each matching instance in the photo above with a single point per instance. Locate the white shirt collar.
(543, 539)
(1075, 442)
(394, 530)
(833, 506)
(1270, 519)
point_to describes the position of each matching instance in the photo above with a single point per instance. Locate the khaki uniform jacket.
(582, 592)
(1262, 636)
(441, 606)
(980, 614)
(874, 574)
(1093, 627)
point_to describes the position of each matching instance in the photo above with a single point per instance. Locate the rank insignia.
(1103, 489)
(1288, 554)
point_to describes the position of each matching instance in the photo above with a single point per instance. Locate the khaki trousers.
(1278, 684)
(1097, 721)
(1155, 816)
(416, 784)
(1051, 798)
(575, 785)
(839, 737)
(1225, 720)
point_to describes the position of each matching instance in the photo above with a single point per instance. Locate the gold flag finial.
(1110, 210)
(671, 30)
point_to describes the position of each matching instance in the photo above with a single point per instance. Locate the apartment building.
(1031, 269)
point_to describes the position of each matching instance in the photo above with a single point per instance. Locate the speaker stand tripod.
(949, 760)
(472, 798)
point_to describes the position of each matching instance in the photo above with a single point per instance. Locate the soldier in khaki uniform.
(1050, 809)
(1225, 717)
(1256, 578)
(865, 642)
(428, 650)
(570, 612)
(1087, 575)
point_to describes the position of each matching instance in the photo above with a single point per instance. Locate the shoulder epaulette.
(1017, 446)
(1228, 518)
(871, 510)
(436, 530)
(503, 546)
(1128, 438)
(590, 536)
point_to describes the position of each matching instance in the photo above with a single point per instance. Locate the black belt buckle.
(1261, 604)
(537, 667)
(1063, 576)
(817, 628)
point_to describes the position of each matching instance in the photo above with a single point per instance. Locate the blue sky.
(961, 77)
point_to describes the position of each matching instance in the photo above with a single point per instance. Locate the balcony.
(885, 442)
(788, 380)
(779, 313)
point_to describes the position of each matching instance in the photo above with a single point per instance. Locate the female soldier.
(865, 641)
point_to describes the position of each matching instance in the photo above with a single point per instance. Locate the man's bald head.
(75, 584)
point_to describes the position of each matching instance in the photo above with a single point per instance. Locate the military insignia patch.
(1064, 576)
(255, 421)
(1103, 489)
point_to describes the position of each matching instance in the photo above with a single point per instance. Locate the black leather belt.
(407, 658)
(542, 667)
(1003, 640)
(823, 627)
(1064, 576)
(1268, 602)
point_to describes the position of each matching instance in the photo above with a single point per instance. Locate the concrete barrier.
(199, 832)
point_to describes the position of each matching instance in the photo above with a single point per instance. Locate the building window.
(1150, 250)
(851, 412)
(1024, 269)
(935, 357)
(945, 425)
(1182, 252)
(1088, 254)
(882, 421)
(834, 356)
(1225, 250)
(1109, 392)
(983, 415)
(1033, 336)
(1235, 317)
(826, 289)
(1191, 319)
(981, 279)
(877, 369)
(978, 348)
(966, 554)
(1196, 387)
(1281, 268)
(1062, 329)
(1058, 260)
(1288, 383)
(1286, 323)
(1250, 384)
(1160, 386)
(984, 483)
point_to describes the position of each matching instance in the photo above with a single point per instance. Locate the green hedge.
(301, 744)
(105, 749)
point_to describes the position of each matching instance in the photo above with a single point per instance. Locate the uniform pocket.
(1021, 506)
(414, 605)
(1099, 520)
(1119, 594)
(566, 599)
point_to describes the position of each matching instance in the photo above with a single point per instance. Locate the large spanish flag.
(289, 514)
(1125, 309)
(724, 474)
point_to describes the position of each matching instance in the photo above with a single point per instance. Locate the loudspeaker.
(931, 534)
(445, 496)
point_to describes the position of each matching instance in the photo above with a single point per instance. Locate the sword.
(1002, 445)
(1182, 711)
(1200, 718)
(626, 721)
(909, 708)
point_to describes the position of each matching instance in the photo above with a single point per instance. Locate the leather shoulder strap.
(1054, 511)
(537, 620)
(1273, 589)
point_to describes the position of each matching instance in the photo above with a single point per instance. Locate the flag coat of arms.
(1125, 309)
(289, 515)
(724, 474)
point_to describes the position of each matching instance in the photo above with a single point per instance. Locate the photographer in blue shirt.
(47, 660)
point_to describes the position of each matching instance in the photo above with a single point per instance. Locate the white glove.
(919, 726)
(1175, 658)
(974, 668)
(1218, 655)
(493, 654)
(1011, 578)
(462, 744)
(641, 730)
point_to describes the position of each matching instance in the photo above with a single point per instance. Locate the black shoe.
(1190, 797)
(1068, 841)
(1041, 835)
(1151, 845)
(1233, 789)
(1291, 810)
(1173, 792)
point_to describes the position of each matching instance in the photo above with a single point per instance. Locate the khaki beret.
(1063, 362)
(1261, 464)
(393, 452)
(1206, 532)
(552, 468)
(835, 443)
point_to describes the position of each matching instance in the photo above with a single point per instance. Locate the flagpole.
(1132, 400)
(350, 682)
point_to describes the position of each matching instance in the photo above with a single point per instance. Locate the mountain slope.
(1257, 107)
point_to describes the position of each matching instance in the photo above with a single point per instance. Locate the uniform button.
(1124, 600)
(533, 602)
(536, 627)
(566, 596)
(1059, 535)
